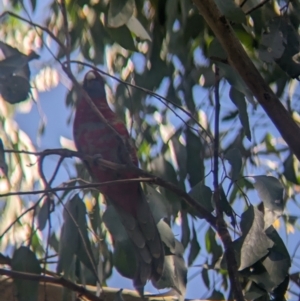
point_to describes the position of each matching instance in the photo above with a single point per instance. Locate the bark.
(240, 61)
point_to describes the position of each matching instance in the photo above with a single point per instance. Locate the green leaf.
(24, 260)
(231, 11)
(14, 88)
(44, 212)
(195, 164)
(272, 270)
(33, 4)
(280, 291)
(174, 272)
(185, 230)
(157, 203)
(272, 43)
(15, 61)
(120, 12)
(203, 195)
(254, 243)
(3, 165)
(180, 153)
(114, 225)
(167, 235)
(211, 245)
(53, 242)
(238, 98)
(216, 295)
(215, 49)
(253, 292)
(135, 26)
(74, 237)
(195, 248)
(122, 36)
(205, 277)
(234, 157)
(164, 169)
(235, 80)
(270, 191)
(291, 169)
(124, 258)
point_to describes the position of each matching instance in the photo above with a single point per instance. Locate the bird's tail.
(144, 234)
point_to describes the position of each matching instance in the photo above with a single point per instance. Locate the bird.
(110, 140)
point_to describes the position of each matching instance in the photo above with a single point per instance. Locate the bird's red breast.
(93, 137)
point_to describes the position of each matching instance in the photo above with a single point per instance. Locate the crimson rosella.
(93, 137)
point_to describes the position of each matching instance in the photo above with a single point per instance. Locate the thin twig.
(141, 175)
(257, 7)
(220, 222)
(216, 145)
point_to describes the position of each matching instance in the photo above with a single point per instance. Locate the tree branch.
(238, 59)
(141, 176)
(221, 224)
(59, 280)
(54, 292)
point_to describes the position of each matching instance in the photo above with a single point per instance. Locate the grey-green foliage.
(166, 46)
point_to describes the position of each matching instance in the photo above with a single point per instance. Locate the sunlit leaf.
(174, 273)
(167, 235)
(254, 243)
(135, 26)
(270, 191)
(120, 12)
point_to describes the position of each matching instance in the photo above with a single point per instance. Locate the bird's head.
(94, 85)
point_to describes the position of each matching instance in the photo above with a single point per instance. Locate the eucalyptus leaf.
(195, 248)
(120, 12)
(44, 212)
(231, 11)
(174, 273)
(135, 26)
(167, 235)
(114, 225)
(254, 243)
(238, 98)
(74, 237)
(157, 203)
(24, 260)
(234, 157)
(3, 165)
(270, 191)
(203, 195)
